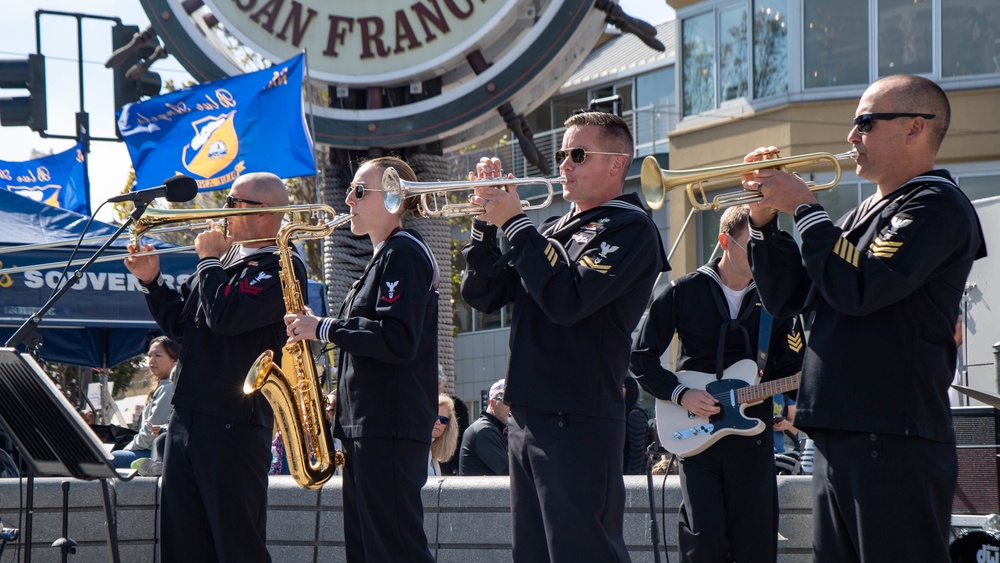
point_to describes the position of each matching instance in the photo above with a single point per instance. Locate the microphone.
(178, 189)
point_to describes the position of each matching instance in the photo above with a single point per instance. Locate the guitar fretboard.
(761, 391)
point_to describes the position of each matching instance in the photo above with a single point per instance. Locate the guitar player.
(730, 503)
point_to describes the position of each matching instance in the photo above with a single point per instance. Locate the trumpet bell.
(656, 182)
(392, 190)
(653, 186)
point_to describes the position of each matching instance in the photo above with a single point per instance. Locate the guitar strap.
(763, 342)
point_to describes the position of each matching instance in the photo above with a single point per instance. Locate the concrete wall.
(467, 519)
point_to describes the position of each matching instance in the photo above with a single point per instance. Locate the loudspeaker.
(977, 432)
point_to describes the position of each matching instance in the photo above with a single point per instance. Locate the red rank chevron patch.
(245, 287)
(390, 287)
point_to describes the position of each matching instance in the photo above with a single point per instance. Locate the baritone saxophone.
(293, 389)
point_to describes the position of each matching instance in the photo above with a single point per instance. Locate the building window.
(980, 187)
(698, 54)
(655, 114)
(770, 48)
(734, 55)
(836, 42)
(904, 37)
(970, 37)
(749, 51)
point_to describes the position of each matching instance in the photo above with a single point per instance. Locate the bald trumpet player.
(884, 284)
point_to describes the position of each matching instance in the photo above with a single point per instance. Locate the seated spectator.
(450, 467)
(156, 411)
(484, 444)
(443, 436)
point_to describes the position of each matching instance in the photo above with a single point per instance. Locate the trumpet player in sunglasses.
(884, 284)
(579, 284)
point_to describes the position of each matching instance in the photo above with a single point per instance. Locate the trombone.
(152, 223)
(395, 190)
(656, 182)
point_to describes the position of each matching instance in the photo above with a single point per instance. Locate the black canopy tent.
(103, 320)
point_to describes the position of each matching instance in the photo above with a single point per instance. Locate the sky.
(109, 161)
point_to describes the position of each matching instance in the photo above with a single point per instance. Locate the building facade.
(747, 73)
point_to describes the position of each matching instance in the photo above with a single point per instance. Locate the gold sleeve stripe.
(887, 243)
(551, 254)
(883, 248)
(795, 342)
(847, 251)
(586, 262)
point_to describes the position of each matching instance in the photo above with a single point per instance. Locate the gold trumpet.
(656, 182)
(395, 190)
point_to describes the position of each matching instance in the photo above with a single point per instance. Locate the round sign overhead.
(478, 57)
(372, 42)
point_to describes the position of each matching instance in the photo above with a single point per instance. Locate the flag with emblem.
(216, 131)
(59, 180)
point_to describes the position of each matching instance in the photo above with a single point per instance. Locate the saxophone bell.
(293, 389)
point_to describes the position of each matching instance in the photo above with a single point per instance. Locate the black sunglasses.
(579, 154)
(359, 190)
(230, 200)
(443, 420)
(866, 121)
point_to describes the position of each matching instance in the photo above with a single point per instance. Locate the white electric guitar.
(686, 434)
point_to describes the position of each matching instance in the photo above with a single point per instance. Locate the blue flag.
(59, 180)
(217, 131)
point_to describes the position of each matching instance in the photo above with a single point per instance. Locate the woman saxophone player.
(387, 375)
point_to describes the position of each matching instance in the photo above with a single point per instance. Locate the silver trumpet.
(395, 190)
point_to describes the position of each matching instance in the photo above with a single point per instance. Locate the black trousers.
(881, 497)
(566, 486)
(383, 511)
(214, 490)
(730, 507)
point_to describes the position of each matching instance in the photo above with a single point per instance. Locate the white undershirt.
(735, 299)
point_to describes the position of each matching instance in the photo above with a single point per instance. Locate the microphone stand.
(29, 326)
(26, 331)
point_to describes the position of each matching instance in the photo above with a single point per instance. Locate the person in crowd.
(162, 358)
(729, 510)
(579, 284)
(484, 444)
(87, 415)
(450, 467)
(636, 430)
(884, 284)
(786, 435)
(218, 446)
(443, 437)
(387, 375)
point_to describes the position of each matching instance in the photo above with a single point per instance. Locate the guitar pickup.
(694, 431)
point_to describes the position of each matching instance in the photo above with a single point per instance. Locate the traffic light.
(25, 110)
(133, 53)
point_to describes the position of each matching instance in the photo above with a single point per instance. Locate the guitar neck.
(755, 393)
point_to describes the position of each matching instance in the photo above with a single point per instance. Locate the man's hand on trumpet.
(781, 191)
(501, 204)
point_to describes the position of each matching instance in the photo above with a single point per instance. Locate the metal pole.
(996, 364)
